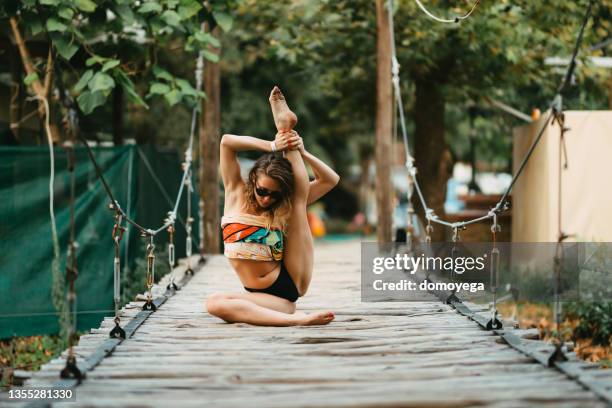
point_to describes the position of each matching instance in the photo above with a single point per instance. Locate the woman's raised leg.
(298, 254)
(299, 248)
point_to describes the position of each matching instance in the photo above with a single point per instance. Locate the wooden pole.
(118, 116)
(210, 134)
(40, 88)
(384, 115)
(15, 110)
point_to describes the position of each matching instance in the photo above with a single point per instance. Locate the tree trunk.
(384, 114)
(209, 147)
(16, 104)
(40, 88)
(432, 156)
(118, 116)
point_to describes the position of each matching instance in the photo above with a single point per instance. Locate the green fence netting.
(144, 180)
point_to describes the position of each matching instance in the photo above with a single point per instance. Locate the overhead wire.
(555, 107)
(447, 20)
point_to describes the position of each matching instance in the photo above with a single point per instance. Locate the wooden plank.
(375, 354)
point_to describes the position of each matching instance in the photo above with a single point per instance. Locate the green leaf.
(171, 18)
(189, 8)
(66, 13)
(128, 86)
(87, 6)
(54, 25)
(224, 20)
(110, 64)
(28, 80)
(64, 46)
(211, 56)
(101, 82)
(186, 88)
(49, 2)
(88, 101)
(207, 38)
(173, 97)
(162, 74)
(35, 27)
(150, 7)
(125, 12)
(157, 88)
(96, 59)
(83, 81)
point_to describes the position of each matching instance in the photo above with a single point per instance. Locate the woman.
(265, 230)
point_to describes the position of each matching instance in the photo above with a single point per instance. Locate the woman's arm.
(230, 168)
(230, 144)
(325, 177)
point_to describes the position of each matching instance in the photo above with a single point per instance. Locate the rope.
(447, 20)
(157, 181)
(129, 206)
(58, 278)
(56, 248)
(555, 108)
(186, 168)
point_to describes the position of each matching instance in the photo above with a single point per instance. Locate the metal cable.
(157, 181)
(447, 20)
(187, 166)
(555, 108)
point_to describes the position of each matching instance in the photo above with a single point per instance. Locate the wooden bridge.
(408, 354)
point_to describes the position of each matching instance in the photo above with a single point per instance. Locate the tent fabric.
(586, 200)
(26, 250)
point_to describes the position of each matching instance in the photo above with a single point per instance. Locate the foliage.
(595, 320)
(499, 52)
(27, 353)
(580, 325)
(106, 44)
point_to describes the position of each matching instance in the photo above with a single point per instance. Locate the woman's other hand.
(288, 141)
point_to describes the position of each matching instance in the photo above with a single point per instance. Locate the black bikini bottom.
(283, 286)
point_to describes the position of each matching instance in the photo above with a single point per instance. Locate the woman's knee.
(217, 304)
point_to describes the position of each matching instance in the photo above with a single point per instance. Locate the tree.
(102, 46)
(499, 51)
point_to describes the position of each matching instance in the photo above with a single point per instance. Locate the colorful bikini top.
(245, 236)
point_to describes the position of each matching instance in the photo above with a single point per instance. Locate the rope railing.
(555, 113)
(169, 221)
(71, 370)
(502, 205)
(457, 19)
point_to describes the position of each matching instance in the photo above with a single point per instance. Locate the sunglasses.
(264, 192)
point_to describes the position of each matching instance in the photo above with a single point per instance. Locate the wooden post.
(118, 116)
(210, 135)
(384, 114)
(40, 88)
(16, 104)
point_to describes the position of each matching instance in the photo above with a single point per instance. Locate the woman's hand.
(288, 141)
(300, 143)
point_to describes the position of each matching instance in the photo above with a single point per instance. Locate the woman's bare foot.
(316, 318)
(284, 119)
